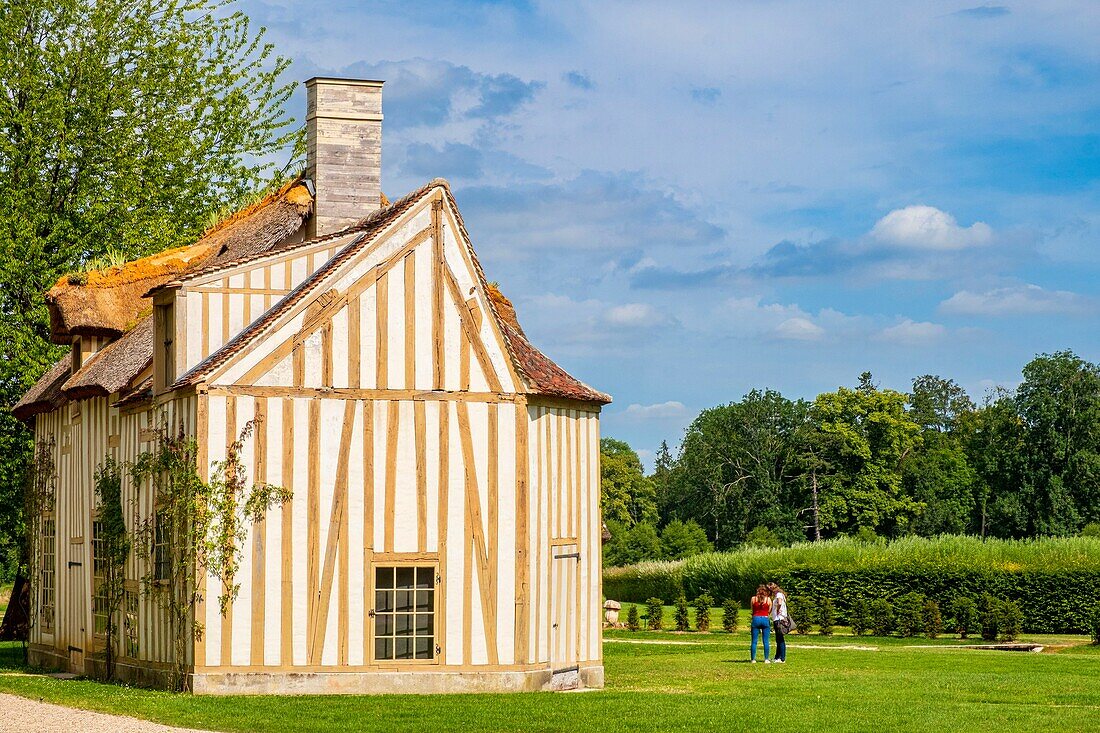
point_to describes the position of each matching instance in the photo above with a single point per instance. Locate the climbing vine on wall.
(39, 497)
(111, 550)
(197, 528)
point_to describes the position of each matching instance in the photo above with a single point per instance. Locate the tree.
(936, 403)
(683, 539)
(814, 458)
(663, 467)
(941, 479)
(995, 440)
(124, 126)
(1059, 403)
(629, 545)
(738, 468)
(871, 437)
(626, 494)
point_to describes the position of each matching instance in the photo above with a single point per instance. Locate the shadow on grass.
(13, 656)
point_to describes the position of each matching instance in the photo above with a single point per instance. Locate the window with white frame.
(404, 613)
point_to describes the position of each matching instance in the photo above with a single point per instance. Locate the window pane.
(383, 624)
(424, 624)
(403, 624)
(404, 600)
(403, 648)
(405, 577)
(383, 601)
(383, 578)
(425, 600)
(425, 577)
(383, 648)
(424, 648)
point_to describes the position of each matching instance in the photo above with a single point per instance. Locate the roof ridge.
(251, 208)
(363, 223)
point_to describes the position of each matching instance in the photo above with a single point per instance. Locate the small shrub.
(702, 612)
(654, 613)
(683, 619)
(1092, 529)
(933, 620)
(632, 618)
(989, 611)
(801, 610)
(1094, 623)
(826, 616)
(867, 536)
(882, 617)
(909, 614)
(1011, 619)
(729, 615)
(860, 617)
(762, 537)
(964, 614)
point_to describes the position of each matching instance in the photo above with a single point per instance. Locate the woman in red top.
(761, 622)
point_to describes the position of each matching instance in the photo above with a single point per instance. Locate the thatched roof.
(117, 301)
(108, 302)
(114, 367)
(45, 395)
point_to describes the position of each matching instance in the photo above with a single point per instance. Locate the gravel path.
(20, 715)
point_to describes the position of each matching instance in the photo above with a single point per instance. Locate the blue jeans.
(761, 624)
(780, 643)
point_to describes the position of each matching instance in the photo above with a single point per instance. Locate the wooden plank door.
(564, 617)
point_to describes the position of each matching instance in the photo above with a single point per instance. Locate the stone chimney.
(344, 151)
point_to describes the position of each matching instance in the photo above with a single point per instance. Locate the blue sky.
(687, 200)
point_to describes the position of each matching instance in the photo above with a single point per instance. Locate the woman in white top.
(780, 617)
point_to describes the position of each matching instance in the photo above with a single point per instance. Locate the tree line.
(870, 462)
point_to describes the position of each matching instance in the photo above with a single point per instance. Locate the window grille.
(99, 577)
(404, 620)
(130, 623)
(48, 571)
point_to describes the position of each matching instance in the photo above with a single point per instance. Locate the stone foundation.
(138, 674)
(419, 682)
(423, 681)
(46, 657)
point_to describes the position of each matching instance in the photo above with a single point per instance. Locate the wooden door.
(565, 617)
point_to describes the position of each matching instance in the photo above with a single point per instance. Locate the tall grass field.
(1056, 581)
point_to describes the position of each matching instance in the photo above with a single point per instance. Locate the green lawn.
(700, 682)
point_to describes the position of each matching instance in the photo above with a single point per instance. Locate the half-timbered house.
(444, 528)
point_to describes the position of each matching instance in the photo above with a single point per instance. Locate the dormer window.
(164, 362)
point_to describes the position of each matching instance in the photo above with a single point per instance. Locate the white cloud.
(926, 227)
(660, 411)
(1020, 299)
(633, 315)
(749, 317)
(913, 332)
(799, 329)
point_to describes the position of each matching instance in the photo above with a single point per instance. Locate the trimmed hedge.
(1056, 582)
(645, 580)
